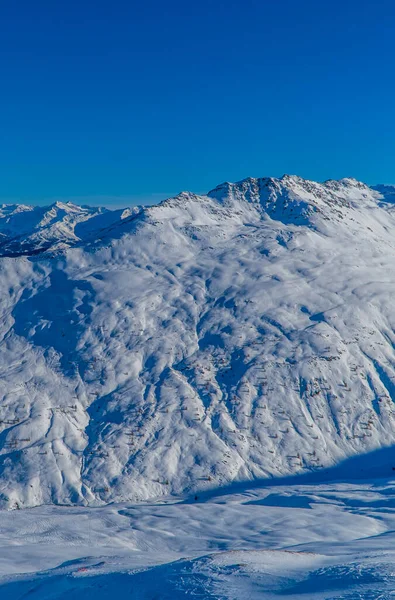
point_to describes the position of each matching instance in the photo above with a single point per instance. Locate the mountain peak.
(292, 197)
(247, 333)
(67, 206)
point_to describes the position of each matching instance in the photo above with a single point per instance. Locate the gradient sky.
(121, 101)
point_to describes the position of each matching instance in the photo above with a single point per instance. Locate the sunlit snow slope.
(244, 334)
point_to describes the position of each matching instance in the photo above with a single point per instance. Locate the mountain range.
(241, 335)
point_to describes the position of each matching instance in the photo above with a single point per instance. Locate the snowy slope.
(240, 335)
(312, 542)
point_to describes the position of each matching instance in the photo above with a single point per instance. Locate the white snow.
(205, 389)
(312, 541)
(237, 336)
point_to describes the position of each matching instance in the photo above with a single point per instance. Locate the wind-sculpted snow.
(328, 541)
(241, 335)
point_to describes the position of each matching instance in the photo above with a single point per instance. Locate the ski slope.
(321, 541)
(238, 336)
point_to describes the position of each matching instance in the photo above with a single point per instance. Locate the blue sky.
(124, 101)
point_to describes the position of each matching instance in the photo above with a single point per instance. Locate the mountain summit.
(244, 334)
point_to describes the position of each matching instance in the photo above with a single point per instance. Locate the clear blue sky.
(111, 100)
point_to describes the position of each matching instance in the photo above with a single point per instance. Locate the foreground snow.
(311, 541)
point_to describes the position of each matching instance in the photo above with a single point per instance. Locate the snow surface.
(238, 336)
(313, 541)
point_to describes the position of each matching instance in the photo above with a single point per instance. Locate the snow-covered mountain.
(244, 334)
(28, 230)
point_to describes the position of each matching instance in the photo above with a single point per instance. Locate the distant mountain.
(27, 230)
(244, 334)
